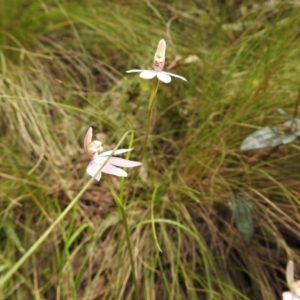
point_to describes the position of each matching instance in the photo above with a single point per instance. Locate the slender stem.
(153, 93)
(297, 104)
(43, 237)
(294, 123)
(149, 115)
(127, 235)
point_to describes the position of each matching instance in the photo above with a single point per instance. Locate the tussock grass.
(62, 71)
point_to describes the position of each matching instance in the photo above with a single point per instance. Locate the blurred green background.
(226, 221)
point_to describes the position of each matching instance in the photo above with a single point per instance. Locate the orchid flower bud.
(159, 58)
(92, 148)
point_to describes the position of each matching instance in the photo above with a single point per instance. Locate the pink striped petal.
(121, 162)
(164, 77)
(174, 75)
(148, 74)
(117, 152)
(159, 57)
(88, 138)
(112, 170)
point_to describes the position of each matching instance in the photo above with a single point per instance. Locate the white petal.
(135, 71)
(148, 74)
(112, 170)
(174, 75)
(117, 152)
(94, 166)
(164, 77)
(88, 138)
(289, 296)
(121, 162)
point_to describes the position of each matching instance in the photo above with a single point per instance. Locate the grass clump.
(63, 71)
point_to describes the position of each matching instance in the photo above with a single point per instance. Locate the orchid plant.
(158, 65)
(156, 74)
(294, 285)
(105, 162)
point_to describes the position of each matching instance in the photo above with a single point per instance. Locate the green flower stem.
(123, 213)
(150, 107)
(296, 106)
(153, 93)
(44, 236)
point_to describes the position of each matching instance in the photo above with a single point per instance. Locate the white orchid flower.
(289, 296)
(110, 166)
(158, 65)
(294, 285)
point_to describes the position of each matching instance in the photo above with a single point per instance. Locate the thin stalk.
(122, 183)
(149, 115)
(43, 237)
(297, 104)
(294, 123)
(124, 218)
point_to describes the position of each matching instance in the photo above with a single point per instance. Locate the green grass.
(63, 69)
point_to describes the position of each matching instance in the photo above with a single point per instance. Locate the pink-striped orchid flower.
(294, 285)
(158, 65)
(109, 165)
